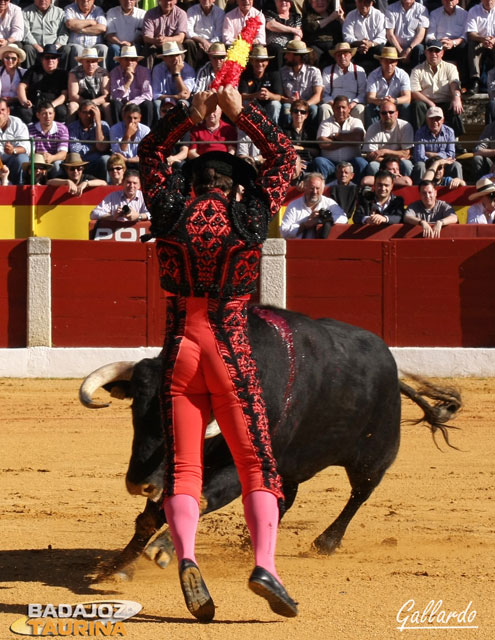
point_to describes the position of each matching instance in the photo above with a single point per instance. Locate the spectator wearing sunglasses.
(259, 83)
(75, 178)
(391, 136)
(300, 131)
(116, 168)
(45, 81)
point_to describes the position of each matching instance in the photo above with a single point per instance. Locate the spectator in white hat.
(10, 74)
(172, 78)
(435, 138)
(131, 82)
(483, 211)
(89, 81)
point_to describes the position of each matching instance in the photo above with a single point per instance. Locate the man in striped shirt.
(51, 138)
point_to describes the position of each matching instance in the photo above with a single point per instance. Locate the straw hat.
(217, 50)
(343, 47)
(170, 49)
(39, 161)
(484, 186)
(74, 160)
(128, 51)
(388, 53)
(259, 52)
(14, 49)
(297, 46)
(89, 54)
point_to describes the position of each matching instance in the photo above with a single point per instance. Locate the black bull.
(333, 397)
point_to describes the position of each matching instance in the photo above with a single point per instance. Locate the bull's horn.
(212, 430)
(99, 377)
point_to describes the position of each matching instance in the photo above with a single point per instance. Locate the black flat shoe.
(264, 584)
(196, 595)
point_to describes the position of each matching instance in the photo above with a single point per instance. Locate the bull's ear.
(120, 389)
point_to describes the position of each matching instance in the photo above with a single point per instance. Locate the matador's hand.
(230, 101)
(203, 103)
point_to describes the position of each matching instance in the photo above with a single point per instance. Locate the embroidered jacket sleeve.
(277, 170)
(159, 184)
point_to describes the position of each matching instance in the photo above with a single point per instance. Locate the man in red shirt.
(213, 134)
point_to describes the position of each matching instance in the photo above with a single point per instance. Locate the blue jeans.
(327, 167)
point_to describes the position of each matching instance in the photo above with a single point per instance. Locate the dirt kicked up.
(420, 549)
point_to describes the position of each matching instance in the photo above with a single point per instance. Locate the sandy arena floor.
(425, 534)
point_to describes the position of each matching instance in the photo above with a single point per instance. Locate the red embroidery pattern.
(229, 322)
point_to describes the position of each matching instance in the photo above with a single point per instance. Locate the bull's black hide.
(333, 398)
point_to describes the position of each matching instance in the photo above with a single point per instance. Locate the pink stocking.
(182, 513)
(261, 513)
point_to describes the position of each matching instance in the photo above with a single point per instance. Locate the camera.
(325, 215)
(125, 209)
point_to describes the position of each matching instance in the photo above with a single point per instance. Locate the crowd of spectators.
(354, 83)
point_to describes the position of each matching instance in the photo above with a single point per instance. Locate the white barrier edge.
(45, 362)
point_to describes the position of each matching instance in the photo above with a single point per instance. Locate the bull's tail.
(447, 402)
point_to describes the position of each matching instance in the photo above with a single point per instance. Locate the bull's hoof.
(161, 550)
(326, 544)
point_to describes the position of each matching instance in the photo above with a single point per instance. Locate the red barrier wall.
(106, 295)
(13, 293)
(412, 292)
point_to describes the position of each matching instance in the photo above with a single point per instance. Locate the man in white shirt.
(126, 205)
(436, 83)
(204, 27)
(388, 82)
(480, 29)
(448, 24)
(313, 208)
(406, 22)
(343, 78)
(13, 153)
(339, 137)
(124, 27)
(235, 20)
(364, 28)
(389, 137)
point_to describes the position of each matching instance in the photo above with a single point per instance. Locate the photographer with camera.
(304, 214)
(126, 205)
(380, 205)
